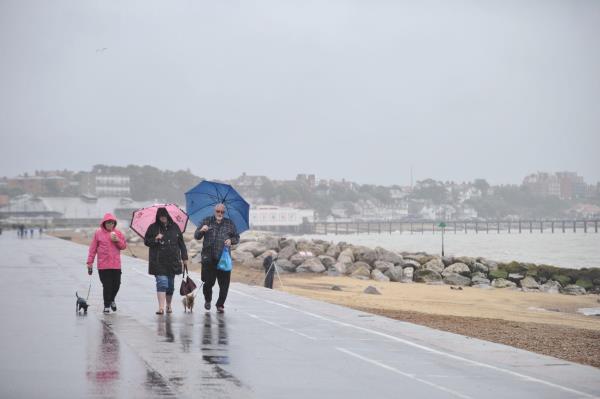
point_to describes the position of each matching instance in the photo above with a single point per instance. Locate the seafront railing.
(456, 227)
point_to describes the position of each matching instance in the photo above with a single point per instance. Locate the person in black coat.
(167, 255)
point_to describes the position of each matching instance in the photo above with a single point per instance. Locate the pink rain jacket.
(109, 253)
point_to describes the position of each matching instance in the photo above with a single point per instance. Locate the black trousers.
(210, 274)
(111, 281)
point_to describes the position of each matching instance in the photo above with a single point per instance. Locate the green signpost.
(442, 225)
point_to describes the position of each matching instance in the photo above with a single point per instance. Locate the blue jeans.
(165, 284)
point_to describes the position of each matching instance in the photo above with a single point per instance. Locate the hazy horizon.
(345, 89)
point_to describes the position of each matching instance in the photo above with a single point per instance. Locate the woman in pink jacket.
(108, 242)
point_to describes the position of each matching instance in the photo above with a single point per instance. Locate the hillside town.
(68, 198)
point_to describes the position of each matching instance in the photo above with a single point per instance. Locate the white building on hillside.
(275, 216)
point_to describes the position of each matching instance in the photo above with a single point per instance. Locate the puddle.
(589, 311)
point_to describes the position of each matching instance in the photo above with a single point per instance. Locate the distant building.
(543, 184)
(572, 185)
(275, 216)
(67, 211)
(311, 180)
(105, 185)
(38, 185)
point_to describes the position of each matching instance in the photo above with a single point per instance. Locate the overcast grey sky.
(349, 89)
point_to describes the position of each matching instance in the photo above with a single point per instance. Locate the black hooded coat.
(167, 253)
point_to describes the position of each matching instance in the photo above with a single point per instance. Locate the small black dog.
(81, 303)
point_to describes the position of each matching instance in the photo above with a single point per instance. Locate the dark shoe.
(160, 312)
(207, 305)
(113, 306)
(220, 309)
(106, 310)
(169, 310)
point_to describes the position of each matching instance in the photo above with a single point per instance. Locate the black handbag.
(187, 284)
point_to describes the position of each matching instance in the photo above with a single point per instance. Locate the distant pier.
(455, 227)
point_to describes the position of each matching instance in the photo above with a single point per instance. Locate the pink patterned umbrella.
(143, 218)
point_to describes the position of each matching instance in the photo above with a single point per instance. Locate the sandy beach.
(539, 322)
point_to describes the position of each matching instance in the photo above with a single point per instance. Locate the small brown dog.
(188, 302)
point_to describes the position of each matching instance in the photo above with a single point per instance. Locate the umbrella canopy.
(143, 218)
(201, 200)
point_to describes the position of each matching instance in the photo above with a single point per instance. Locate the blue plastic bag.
(225, 264)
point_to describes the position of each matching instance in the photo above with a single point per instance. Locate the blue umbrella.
(201, 200)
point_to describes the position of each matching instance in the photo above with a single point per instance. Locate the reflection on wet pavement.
(165, 329)
(103, 364)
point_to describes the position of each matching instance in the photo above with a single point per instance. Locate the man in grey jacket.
(218, 232)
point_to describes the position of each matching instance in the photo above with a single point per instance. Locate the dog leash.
(89, 288)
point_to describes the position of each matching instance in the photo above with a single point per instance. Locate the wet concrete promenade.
(268, 344)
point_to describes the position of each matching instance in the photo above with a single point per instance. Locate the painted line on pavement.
(407, 375)
(281, 327)
(425, 348)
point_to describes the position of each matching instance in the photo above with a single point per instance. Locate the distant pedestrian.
(107, 243)
(167, 256)
(269, 271)
(40, 231)
(218, 232)
(30, 233)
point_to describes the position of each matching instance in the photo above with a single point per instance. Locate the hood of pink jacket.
(108, 216)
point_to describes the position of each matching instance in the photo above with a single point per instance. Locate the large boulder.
(256, 248)
(411, 263)
(367, 255)
(491, 265)
(377, 275)
(551, 287)
(270, 242)
(327, 261)
(457, 268)
(241, 256)
(388, 256)
(356, 265)
(287, 252)
(529, 284)
(573, 289)
(333, 251)
(340, 268)
(309, 246)
(286, 242)
(383, 265)
(313, 265)
(361, 272)
(427, 276)
(407, 274)
(479, 279)
(394, 273)
(456, 279)
(426, 258)
(286, 265)
(503, 283)
(298, 259)
(346, 257)
(479, 267)
(515, 277)
(448, 260)
(467, 260)
(435, 265)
